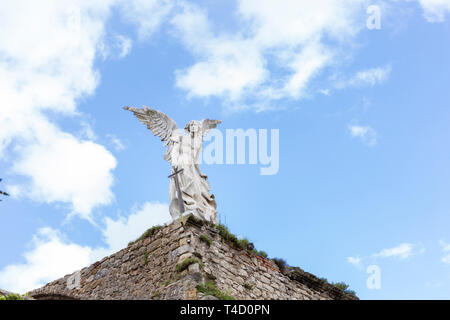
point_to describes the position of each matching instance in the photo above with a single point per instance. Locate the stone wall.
(147, 269)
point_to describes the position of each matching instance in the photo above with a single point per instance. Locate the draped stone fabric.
(195, 189)
(183, 151)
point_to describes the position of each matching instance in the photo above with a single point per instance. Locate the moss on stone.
(150, 232)
(248, 286)
(145, 257)
(192, 220)
(241, 244)
(206, 239)
(226, 234)
(262, 254)
(210, 289)
(186, 263)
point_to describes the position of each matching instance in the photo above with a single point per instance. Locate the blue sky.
(363, 114)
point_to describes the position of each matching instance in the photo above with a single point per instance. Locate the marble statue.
(189, 189)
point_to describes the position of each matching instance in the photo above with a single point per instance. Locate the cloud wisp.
(355, 261)
(445, 252)
(365, 133)
(368, 77)
(402, 251)
(435, 10)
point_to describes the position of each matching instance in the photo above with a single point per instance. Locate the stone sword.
(174, 175)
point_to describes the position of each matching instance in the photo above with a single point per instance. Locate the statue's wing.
(159, 123)
(208, 125)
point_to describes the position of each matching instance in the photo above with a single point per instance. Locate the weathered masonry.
(187, 260)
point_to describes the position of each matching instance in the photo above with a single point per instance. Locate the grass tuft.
(146, 257)
(341, 285)
(192, 220)
(205, 239)
(210, 289)
(281, 263)
(226, 234)
(344, 287)
(262, 254)
(248, 286)
(150, 232)
(187, 262)
(243, 243)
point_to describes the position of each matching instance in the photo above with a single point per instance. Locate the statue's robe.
(194, 186)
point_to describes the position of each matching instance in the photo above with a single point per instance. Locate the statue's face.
(193, 127)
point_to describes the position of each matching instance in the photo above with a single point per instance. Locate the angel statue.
(188, 189)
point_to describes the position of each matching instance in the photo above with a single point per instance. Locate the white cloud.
(48, 50)
(234, 66)
(372, 76)
(446, 258)
(305, 65)
(14, 190)
(445, 246)
(435, 10)
(117, 47)
(51, 256)
(116, 142)
(145, 15)
(365, 133)
(355, 261)
(124, 44)
(125, 229)
(446, 252)
(47, 54)
(368, 77)
(325, 92)
(231, 65)
(402, 251)
(65, 169)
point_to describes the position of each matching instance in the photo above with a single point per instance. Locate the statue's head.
(193, 126)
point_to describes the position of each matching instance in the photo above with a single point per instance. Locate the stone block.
(195, 267)
(184, 256)
(154, 245)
